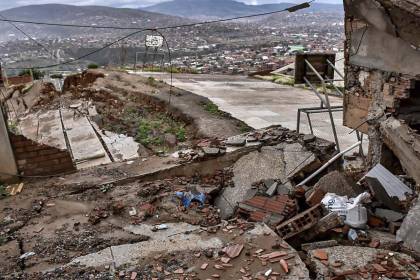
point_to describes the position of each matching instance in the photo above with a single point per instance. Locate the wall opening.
(409, 109)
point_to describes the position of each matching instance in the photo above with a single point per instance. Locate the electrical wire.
(29, 37)
(358, 45)
(290, 9)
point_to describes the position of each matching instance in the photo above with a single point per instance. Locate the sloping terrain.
(83, 15)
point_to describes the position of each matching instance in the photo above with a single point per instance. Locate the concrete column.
(7, 158)
(375, 116)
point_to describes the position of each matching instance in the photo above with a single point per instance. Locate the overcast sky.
(5, 4)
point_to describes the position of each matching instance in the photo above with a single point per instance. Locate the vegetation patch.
(153, 129)
(93, 66)
(213, 109)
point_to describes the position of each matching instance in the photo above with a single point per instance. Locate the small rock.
(170, 140)
(208, 253)
(211, 151)
(204, 266)
(179, 271)
(307, 138)
(236, 141)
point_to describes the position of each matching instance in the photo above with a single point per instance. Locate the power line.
(28, 36)
(290, 9)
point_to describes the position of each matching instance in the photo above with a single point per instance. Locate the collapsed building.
(221, 204)
(382, 96)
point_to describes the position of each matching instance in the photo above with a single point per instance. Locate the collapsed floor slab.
(272, 162)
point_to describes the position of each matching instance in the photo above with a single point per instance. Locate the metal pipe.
(310, 123)
(314, 89)
(335, 69)
(314, 70)
(322, 168)
(315, 111)
(298, 121)
(336, 88)
(331, 116)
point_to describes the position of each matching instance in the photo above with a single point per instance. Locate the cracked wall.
(383, 76)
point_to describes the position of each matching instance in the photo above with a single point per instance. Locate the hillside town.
(270, 141)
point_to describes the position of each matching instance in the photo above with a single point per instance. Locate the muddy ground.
(60, 224)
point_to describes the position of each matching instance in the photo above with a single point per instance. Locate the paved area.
(261, 103)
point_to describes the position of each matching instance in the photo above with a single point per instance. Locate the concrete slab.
(251, 168)
(261, 103)
(120, 146)
(50, 130)
(173, 229)
(85, 145)
(129, 253)
(44, 128)
(279, 162)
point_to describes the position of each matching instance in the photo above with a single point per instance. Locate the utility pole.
(123, 54)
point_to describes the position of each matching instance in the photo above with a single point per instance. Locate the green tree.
(93, 66)
(37, 74)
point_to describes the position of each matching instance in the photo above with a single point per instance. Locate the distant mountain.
(86, 15)
(227, 8)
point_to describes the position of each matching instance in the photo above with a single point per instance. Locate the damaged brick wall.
(19, 80)
(382, 52)
(37, 159)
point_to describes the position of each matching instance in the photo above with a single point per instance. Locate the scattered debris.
(300, 222)
(188, 197)
(27, 255)
(14, 189)
(269, 210)
(355, 214)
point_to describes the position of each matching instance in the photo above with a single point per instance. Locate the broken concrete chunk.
(298, 159)
(272, 189)
(389, 215)
(236, 141)
(308, 138)
(280, 162)
(410, 229)
(387, 188)
(352, 260)
(336, 182)
(319, 245)
(211, 151)
(251, 168)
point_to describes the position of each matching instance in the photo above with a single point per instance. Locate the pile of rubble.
(251, 220)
